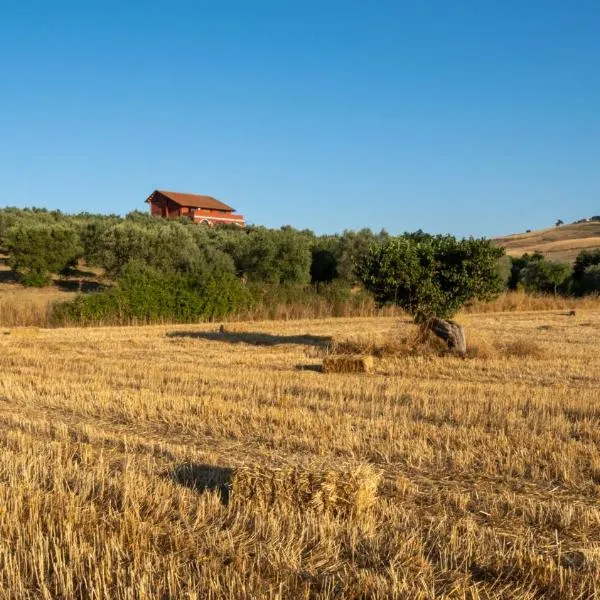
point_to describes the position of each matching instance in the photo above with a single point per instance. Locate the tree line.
(158, 268)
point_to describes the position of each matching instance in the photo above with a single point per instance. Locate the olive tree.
(545, 276)
(432, 277)
(38, 250)
(585, 259)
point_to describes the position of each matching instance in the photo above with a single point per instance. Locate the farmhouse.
(200, 209)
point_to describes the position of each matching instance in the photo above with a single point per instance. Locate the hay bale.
(339, 492)
(345, 363)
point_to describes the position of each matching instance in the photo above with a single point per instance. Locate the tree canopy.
(431, 276)
(37, 250)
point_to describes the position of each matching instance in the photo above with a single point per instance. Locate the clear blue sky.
(471, 117)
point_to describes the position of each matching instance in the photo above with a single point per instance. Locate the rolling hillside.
(562, 243)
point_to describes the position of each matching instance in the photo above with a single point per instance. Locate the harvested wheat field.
(182, 462)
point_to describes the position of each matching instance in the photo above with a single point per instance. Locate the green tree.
(38, 250)
(353, 245)
(590, 282)
(584, 260)
(274, 256)
(212, 260)
(517, 266)
(168, 247)
(324, 265)
(433, 277)
(545, 276)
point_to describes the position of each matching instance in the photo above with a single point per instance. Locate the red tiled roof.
(193, 200)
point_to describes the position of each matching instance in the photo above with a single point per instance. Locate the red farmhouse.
(200, 209)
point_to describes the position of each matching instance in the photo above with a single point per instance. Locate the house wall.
(216, 217)
(164, 207)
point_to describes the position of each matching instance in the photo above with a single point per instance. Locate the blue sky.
(471, 117)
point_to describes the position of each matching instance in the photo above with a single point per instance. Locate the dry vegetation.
(181, 462)
(562, 243)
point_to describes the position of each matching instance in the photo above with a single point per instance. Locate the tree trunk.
(451, 332)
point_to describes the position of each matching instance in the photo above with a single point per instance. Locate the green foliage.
(211, 259)
(545, 275)
(585, 260)
(91, 234)
(431, 275)
(504, 267)
(352, 246)
(147, 295)
(324, 265)
(517, 266)
(274, 256)
(8, 218)
(590, 282)
(170, 248)
(38, 250)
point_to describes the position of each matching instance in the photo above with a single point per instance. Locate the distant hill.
(562, 243)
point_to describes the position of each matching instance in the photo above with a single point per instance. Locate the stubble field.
(180, 462)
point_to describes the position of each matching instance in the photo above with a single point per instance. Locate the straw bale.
(339, 492)
(347, 364)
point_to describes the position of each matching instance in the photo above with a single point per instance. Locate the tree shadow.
(313, 367)
(79, 286)
(204, 478)
(76, 272)
(9, 277)
(254, 338)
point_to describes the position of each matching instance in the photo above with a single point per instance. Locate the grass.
(355, 354)
(523, 302)
(137, 463)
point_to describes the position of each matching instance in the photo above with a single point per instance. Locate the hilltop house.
(200, 209)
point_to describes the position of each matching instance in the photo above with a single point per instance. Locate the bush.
(36, 251)
(144, 294)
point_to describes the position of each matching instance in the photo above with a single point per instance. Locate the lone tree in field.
(432, 277)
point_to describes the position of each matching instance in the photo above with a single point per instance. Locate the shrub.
(36, 251)
(144, 294)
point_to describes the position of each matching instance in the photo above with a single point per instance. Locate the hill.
(561, 243)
